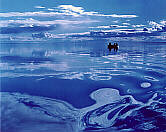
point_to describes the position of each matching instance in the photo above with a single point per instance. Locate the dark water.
(82, 86)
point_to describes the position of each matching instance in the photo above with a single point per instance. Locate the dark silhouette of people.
(115, 47)
(110, 46)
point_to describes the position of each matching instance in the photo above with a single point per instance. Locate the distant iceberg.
(121, 33)
(42, 35)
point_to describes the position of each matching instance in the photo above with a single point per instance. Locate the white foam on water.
(145, 85)
(151, 78)
(106, 62)
(73, 75)
(114, 57)
(105, 95)
(85, 54)
(98, 77)
(102, 97)
(40, 79)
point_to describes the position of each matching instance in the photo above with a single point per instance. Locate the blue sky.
(64, 16)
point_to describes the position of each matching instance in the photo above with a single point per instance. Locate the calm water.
(82, 86)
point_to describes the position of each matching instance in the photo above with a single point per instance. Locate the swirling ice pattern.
(112, 112)
(126, 114)
(25, 113)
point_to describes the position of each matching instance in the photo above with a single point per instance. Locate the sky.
(140, 17)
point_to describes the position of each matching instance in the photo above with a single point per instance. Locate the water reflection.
(87, 60)
(103, 85)
(80, 57)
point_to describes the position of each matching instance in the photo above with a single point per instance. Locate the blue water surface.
(101, 90)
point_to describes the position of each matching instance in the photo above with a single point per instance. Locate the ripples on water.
(108, 91)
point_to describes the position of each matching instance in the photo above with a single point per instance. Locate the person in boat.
(115, 46)
(110, 46)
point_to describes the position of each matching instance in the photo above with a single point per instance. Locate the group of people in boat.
(114, 46)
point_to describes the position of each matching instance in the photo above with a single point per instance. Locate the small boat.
(115, 46)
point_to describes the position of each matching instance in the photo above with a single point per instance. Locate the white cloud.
(50, 9)
(26, 14)
(154, 23)
(63, 10)
(39, 7)
(75, 11)
(110, 26)
(115, 21)
(126, 23)
(91, 13)
(71, 8)
(163, 22)
(101, 27)
(117, 26)
(39, 14)
(119, 16)
(30, 22)
(137, 26)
